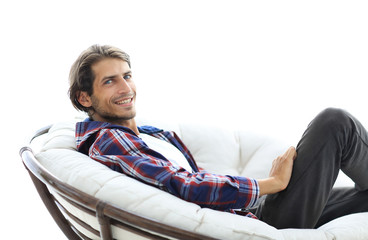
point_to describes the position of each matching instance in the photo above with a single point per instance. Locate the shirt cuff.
(248, 192)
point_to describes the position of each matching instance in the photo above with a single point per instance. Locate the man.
(298, 190)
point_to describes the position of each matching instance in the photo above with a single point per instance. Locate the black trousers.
(334, 140)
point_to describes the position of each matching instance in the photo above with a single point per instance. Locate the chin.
(129, 116)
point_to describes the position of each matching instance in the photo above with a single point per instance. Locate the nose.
(124, 86)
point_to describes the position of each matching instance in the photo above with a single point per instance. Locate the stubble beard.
(109, 116)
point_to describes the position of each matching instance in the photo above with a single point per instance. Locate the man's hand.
(280, 173)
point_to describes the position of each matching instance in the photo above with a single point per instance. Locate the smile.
(124, 101)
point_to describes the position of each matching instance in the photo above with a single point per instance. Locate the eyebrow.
(112, 76)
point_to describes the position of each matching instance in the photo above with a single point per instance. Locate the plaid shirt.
(122, 150)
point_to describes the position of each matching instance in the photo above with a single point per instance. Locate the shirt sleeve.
(125, 153)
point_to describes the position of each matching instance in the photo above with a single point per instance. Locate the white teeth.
(125, 101)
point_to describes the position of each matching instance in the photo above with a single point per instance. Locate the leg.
(343, 201)
(334, 140)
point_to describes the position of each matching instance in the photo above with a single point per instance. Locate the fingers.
(291, 153)
(282, 168)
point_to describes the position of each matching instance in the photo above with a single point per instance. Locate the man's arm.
(280, 173)
(122, 152)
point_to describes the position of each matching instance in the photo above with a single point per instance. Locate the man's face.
(114, 92)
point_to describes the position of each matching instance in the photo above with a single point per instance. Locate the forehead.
(109, 67)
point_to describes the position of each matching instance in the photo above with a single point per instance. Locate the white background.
(270, 66)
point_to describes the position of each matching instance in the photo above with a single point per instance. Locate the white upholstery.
(216, 150)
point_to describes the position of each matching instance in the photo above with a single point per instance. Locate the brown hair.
(81, 76)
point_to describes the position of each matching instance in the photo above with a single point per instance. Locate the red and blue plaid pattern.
(122, 150)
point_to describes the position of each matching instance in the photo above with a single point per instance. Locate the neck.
(131, 124)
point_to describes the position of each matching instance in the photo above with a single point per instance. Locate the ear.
(84, 99)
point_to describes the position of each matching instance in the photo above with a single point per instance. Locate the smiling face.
(114, 92)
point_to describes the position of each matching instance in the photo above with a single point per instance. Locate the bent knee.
(334, 113)
(333, 118)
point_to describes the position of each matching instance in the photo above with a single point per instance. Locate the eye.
(109, 81)
(127, 77)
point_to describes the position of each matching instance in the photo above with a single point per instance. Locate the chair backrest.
(108, 215)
